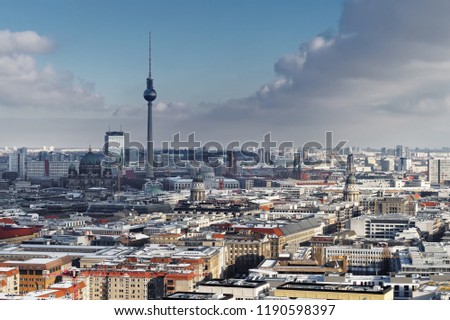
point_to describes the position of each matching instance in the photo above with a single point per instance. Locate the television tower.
(149, 96)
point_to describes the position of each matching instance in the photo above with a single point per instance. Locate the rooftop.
(6, 269)
(33, 261)
(233, 283)
(334, 287)
(198, 296)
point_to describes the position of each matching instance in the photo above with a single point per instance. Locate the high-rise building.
(438, 170)
(387, 164)
(17, 162)
(350, 164)
(297, 166)
(404, 164)
(115, 146)
(401, 151)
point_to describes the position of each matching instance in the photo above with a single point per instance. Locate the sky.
(374, 72)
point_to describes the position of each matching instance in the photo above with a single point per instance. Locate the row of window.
(31, 279)
(30, 272)
(127, 297)
(126, 279)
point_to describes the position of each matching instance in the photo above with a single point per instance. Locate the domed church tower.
(198, 192)
(351, 191)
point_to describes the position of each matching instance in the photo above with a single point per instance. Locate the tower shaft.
(150, 154)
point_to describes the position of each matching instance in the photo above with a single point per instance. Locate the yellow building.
(284, 236)
(165, 238)
(208, 262)
(296, 290)
(128, 285)
(9, 280)
(246, 251)
(179, 282)
(98, 286)
(134, 284)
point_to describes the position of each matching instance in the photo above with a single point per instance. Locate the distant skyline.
(374, 72)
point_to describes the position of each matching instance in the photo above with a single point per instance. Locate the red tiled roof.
(218, 235)
(192, 261)
(160, 260)
(131, 274)
(429, 204)
(181, 276)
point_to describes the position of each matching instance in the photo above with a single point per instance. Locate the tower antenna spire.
(150, 55)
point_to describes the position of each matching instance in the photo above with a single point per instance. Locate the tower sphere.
(149, 94)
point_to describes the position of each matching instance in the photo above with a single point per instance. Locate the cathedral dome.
(90, 159)
(90, 164)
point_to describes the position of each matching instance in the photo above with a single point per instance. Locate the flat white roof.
(61, 285)
(34, 260)
(40, 293)
(6, 269)
(268, 263)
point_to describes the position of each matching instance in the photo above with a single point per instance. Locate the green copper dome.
(90, 159)
(90, 164)
(351, 179)
(198, 178)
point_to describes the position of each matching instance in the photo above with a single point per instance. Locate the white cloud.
(24, 42)
(25, 88)
(386, 71)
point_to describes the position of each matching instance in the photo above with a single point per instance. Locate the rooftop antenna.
(149, 55)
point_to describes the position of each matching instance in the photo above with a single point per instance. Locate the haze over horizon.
(374, 72)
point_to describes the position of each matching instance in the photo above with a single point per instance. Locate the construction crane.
(74, 273)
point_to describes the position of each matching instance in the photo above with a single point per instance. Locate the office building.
(17, 162)
(380, 227)
(438, 171)
(114, 146)
(51, 169)
(362, 260)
